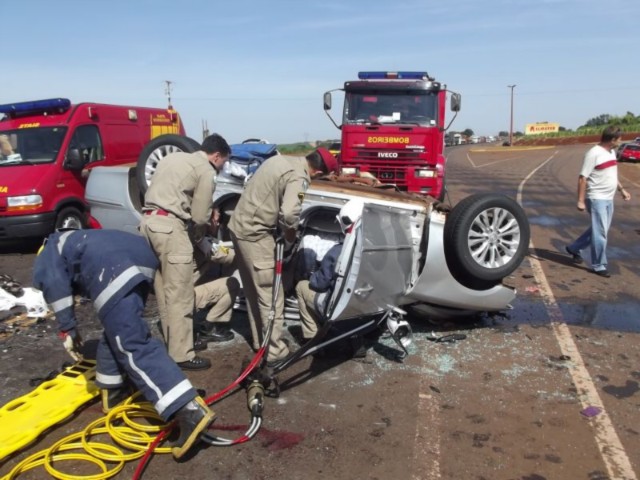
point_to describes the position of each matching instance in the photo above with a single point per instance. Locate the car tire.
(70, 217)
(486, 237)
(155, 151)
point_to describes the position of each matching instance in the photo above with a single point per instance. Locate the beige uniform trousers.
(306, 303)
(173, 283)
(256, 264)
(220, 293)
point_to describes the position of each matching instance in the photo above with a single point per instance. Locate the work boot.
(219, 332)
(112, 397)
(191, 420)
(196, 363)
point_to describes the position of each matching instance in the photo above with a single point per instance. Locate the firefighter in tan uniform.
(177, 211)
(270, 206)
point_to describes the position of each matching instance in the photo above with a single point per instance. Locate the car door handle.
(363, 291)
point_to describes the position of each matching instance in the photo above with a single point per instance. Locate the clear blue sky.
(258, 68)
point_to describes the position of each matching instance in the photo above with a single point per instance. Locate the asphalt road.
(503, 403)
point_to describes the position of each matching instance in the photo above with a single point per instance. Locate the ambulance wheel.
(486, 237)
(70, 217)
(157, 149)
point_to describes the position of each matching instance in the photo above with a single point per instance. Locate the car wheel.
(70, 217)
(157, 149)
(486, 237)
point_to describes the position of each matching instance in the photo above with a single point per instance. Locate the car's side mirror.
(75, 160)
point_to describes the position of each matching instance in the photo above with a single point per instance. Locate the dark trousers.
(127, 348)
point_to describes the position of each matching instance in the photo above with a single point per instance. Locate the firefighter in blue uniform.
(115, 270)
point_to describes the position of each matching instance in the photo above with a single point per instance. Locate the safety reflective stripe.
(113, 380)
(172, 395)
(119, 282)
(61, 241)
(61, 304)
(143, 375)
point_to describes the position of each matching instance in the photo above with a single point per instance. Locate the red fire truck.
(47, 149)
(393, 128)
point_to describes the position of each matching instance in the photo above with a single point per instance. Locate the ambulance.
(47, 149)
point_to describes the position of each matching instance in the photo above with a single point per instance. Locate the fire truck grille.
(388, 166)
(388, 175)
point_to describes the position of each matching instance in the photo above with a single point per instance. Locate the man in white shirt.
(597, 186)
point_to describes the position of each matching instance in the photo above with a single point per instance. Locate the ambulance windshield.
(30, 145)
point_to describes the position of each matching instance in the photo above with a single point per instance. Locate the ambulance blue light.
(47, 105)
(393, 75)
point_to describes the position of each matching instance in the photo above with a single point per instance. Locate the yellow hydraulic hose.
(134, 436)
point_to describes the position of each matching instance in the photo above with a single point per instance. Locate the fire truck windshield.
(390, 108)
(31, 145)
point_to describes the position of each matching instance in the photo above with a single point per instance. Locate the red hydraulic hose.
(254, 362)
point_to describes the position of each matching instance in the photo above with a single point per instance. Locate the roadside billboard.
(543, 127)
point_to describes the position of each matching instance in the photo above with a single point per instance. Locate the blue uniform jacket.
(323, 279)
(103, 265)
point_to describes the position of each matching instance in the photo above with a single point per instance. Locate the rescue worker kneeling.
(115, 270)
(314, 293)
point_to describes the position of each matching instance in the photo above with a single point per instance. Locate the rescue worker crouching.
(115, 270)
(177, 210)
(215, 291)
(270, 205)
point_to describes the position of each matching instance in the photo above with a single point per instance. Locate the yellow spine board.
(24, 418)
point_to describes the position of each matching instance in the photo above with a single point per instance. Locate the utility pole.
(167, 91)
(205, 129)
(511, 124)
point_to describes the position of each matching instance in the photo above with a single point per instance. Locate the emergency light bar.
(394, 75)
(13, 109)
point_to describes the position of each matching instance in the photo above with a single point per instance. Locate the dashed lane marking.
(426, 447)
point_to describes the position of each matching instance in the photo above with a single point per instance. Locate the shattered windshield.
(391, 107)
(30, 145)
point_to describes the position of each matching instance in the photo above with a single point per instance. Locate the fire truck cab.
(48, 148)
(393, 126)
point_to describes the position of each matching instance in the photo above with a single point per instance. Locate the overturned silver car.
(406, 251)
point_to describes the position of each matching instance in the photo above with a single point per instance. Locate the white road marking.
(426, 447)
(426, 453)
(629, 181)
(613, 453)
(491, 163)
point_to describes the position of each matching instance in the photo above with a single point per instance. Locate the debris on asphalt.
(453, 337)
